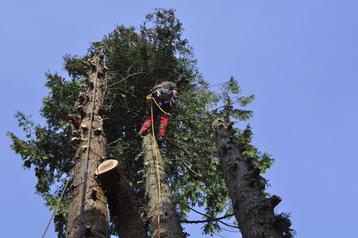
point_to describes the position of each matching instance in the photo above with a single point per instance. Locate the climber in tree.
(162, 98)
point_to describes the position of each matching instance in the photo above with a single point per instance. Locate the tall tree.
(162, 218)
(87, 212)
(137, 58)
(253, 209)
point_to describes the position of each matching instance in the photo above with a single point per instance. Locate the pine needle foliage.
(137, 58)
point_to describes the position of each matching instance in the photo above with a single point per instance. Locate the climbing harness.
(149, 97)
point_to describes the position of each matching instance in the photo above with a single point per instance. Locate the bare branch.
(224, 223)
(207, 220)
(129, 75)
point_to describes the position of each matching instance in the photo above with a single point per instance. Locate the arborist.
(162, 98)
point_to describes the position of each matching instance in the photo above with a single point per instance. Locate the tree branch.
(215, 219)
(129, 75)
(207, 220)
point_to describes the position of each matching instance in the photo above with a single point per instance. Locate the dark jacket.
(164, 91)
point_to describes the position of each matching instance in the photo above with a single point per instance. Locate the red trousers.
(163, 123)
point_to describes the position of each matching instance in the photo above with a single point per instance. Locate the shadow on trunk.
(254, 211)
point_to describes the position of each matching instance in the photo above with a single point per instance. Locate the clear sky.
(298, 57)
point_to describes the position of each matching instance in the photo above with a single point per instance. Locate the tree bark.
(88, 215)
(254, 211)
(169, 225)
(121, 202)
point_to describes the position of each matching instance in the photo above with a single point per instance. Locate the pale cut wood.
(106, 166)
(121, 202)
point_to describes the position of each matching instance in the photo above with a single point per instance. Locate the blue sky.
(298, 57)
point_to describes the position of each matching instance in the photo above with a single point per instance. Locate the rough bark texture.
(169, 220)
(95, 215)
(254, 211)
(121, 202)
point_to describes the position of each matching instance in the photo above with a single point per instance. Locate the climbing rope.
(56, 208)
(157, 157)
(149, 97)
(85, 172)
(85, 175)
(157, 154)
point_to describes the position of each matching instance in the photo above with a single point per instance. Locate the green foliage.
(263, 161)
(48, 149)
(137, 58)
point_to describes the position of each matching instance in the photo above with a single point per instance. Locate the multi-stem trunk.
(88, 215)
(253, 210)
(121, 201)
(158, 196)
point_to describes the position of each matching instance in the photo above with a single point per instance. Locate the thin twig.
(113, 142)
(203, 214)
(129, 75)
(214, 85)
(207, 220)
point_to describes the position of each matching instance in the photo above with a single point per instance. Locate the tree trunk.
(88, 215)
(121, 202)
(169, 222)
(253, 210)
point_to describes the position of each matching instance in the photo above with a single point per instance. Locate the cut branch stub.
(253, 210)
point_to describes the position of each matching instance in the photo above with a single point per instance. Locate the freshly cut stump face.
(106, 166)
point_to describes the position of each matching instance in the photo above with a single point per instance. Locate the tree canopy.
(137, 58)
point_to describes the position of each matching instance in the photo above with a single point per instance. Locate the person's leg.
(164, 122)
(149, 121)
(146, 125)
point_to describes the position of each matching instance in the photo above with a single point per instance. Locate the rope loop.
(149, 97)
